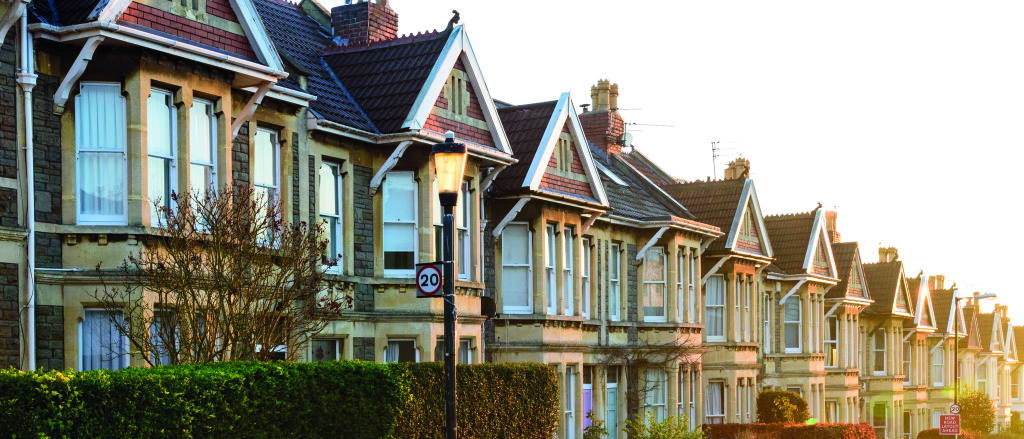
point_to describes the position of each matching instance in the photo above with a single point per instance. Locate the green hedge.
(279, 400)
(513, 401)
(250, 400)
(781, 406)
(933, 433)
(862, 430)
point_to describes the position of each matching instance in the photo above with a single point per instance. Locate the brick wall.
(48, 250)
(566, 185)
(364, 348)
(50, 337)
(188, 29)
(363, 220)
(47, 151)
(8, 109)
(461, 130)
(240, 155)
(222, 9)
(10, 333)
(604, 129)
(363, 22)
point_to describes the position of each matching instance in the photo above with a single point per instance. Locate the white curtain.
(515, 268)
(567, 272)
(102, 345)
(100, 137)
(714, 411)
(716, 306)
(399, 221)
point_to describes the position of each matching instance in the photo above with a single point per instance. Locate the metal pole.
(450, 357)
(956, 352)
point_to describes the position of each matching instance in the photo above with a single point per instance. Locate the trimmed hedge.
(250, 400)
(513, 401)
(862, 430)
(279, 400)
(933, 433)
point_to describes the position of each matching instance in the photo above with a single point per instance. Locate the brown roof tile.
(884, 280)
(942, 302)
(845, 255)
(790, 235)
(646, 167)
(712, 202)
(524, 127)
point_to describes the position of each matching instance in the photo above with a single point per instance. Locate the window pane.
(328, 189)
(102, 183)
(199, 178)
(159, 184)
(265, 156)
(325, 350)
(200, 132)
(100, 118)
(515, 246)
(102, 345)
(159, 120)
(398, 246)
(400, 197)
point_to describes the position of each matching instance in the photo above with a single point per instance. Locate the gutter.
(27, 80)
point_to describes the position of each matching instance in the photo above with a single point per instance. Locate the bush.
(790, 431)
(256, 400)
(670, 428)
(514, 401)
(933, 433)
(781, 406)
(978, 414)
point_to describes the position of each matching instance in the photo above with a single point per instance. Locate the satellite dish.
(627, 140)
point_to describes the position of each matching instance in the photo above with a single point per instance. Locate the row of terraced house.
(591, 254)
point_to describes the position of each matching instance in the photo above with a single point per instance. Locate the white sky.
(904, 114)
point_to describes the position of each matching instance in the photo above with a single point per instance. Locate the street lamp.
(449, 165)
(956, 342)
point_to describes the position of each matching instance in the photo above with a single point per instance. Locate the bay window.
(981, 378)
(202, 146)
(330, 200)
(656, 395)
(549, 268)
(463, 213)
(715, 308)
(101, 345)
(102, 154)
(516, 263)
(568, 271)
(161, 143)
(792, 324)
(267, 176)
(400, 224)
(879, 351)
(585, 279)
(693, 294)
(939, 368)
(906, 363)
(654, 285)
(831, 341)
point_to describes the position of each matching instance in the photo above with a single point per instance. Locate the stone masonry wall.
(8, 109)
(490, 285)
(295, 183)
(10, 332)
(50, 337)
(363, 220)
(47, 151)
(631, 292)
(48, 250)
(240, 156)
(363, 349)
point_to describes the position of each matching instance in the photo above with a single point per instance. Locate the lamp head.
(449, 166)
(985, 296)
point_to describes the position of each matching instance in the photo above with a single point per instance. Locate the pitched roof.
(883, 279)
(790, 235)
(943, 304)
(1018, 338)
(638, 200)
(301, 39)
(845, 255)
(985, 325)
(973, 339)
(524, 127)
(648, 168)
(712, 202)
(63, 12)
(386, 77)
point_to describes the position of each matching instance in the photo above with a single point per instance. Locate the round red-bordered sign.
(429, 280)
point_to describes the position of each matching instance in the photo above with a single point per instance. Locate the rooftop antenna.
(714, 155)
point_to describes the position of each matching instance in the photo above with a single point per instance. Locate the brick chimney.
(364, 21)
(739, 168)
(603, 125)
(831, 217)
(937, 282)
(888, 254)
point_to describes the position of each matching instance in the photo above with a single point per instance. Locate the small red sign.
(949, 424)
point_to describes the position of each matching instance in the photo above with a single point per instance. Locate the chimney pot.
(362, 22)
(602, 127)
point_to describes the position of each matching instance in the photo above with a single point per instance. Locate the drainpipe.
(27, 79)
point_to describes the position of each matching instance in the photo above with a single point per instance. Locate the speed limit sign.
(954, 409)
(429, 279)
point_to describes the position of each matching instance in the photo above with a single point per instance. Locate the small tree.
(596, 429)
(651, 428)
(781, 406)
(224, 279)
(977, 412)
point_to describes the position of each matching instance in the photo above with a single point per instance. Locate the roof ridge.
(522, 106)
(384, 42)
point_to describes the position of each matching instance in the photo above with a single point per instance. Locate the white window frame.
(465, 209)
(551, 285)
(1015, 387)
(465, 351)
(210, 167)
(712, 414)
(693, 293)
(170, 160)
(876, 351)
(908, 361)
(81, 124)
(401, 272)
(747, 297)
(415, 348)
(615, 284)
(939, 367)
(100, 314)
(831, 341)
(649, 283)
(274, 188)
(527, 309)
(885, 420)
(336, 237)
(568, 271)
(656, 396)
(681, 295)
(767, 324)
(585, 266)
(570, 402)
(693, 400)
(788, 323)
(832, 411)
(712, 308)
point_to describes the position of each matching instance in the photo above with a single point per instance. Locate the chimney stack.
(364, 21)
(888, 254)
(602, 125)
(738, 169)
(831, 217)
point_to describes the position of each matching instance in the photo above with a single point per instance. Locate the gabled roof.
(973, 340)
(65, 12)
(722, 203)
(1010, 346)
(848, 264)
(397, 81)
(631, 195)
(533, 131)
(991, 332)
(945, 312)
(301, 39)
(1018, 339)
(922, 300)
(886, 282)
(797, 239)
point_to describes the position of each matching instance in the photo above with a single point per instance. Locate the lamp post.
(449, 165)
(956, 342)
